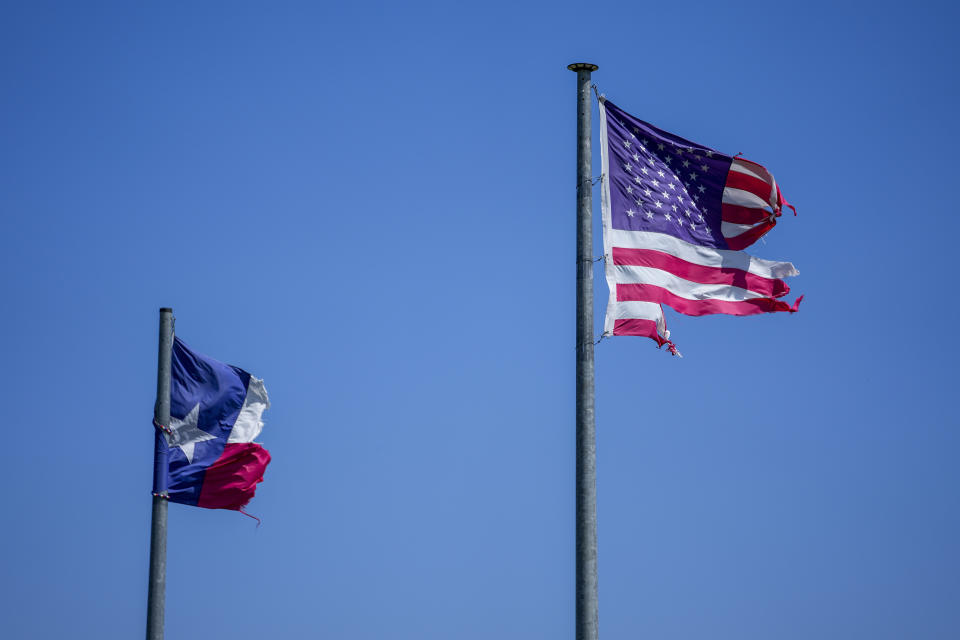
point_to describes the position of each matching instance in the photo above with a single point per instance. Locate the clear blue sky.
(372, 208)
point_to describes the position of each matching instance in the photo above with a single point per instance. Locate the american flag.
(676, 216)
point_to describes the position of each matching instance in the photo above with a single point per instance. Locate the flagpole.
(587, 601)
(158, 525)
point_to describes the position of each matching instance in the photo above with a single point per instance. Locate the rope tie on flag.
(249, 516)
(166, 430)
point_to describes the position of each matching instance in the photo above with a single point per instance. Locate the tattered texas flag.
(207, 456)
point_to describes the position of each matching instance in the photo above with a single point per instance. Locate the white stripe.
(758, 172)
(691, 253)
(632, 274)
(731, 230)
(629, 310)
(248, 424)
(751, 169)
(634, 310)
(743, 198)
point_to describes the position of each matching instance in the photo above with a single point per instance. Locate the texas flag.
(207, 457)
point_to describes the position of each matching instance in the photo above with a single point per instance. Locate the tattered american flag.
(676, 215)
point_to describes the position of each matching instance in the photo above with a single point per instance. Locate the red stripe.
(637, 327)
(231, 481)
(699, 273)
(747, 238)
(756, 186)
(653, 293)
(743, 215)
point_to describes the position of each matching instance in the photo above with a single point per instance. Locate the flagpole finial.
(582, 66)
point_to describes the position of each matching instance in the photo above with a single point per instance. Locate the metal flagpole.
(587, 615)
(158, 525)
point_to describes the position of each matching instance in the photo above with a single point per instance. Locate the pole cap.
(166, 309)
(582, 66)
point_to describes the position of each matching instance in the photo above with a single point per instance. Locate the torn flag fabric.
(208, 450)
(676, 216)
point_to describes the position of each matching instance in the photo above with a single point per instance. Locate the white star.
(661, 174)
(659, 204)
(651, 162)
(674, 207)
(629, 188)
(667, 216)
(636, 179)
(687, 212)
(636, 130)
(699, 218)
(631, 212)
(187, 433)
(627, 167)
(666, 195)
(709, 154)
(645, 170)
(645, 142)
(672, 186)
(668, 160)
(649, 214)
(636, 157)
(686, 163)
(647, 193)
(660, 146)
(639, 202)
(655, 183)
(626, 143)
(680, 222)
(701, 188)
(693, 176)
(705, 168)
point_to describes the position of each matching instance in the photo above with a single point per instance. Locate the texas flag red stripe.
(231, 481)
